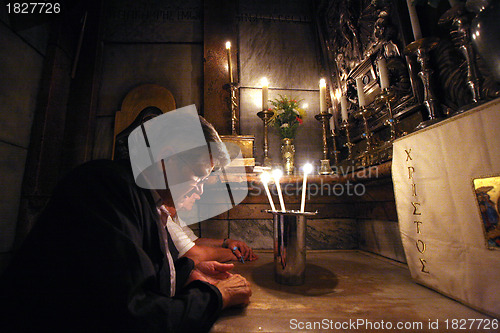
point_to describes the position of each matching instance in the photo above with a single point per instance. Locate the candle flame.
(265, 177)
(277, 174)
(228, 45)
(322, 83)
(308, 168)
(338, 94)
(264, 82)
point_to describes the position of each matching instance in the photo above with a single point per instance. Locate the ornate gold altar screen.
(449, 241)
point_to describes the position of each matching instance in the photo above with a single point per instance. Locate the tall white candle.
(384, 74)
(277, 173)
(265, 177)
(307, 170)
(415, 24)
(343, 107)
(265, 92)
(322, 96)
(361, 92)
(332, 118)
(229, 64)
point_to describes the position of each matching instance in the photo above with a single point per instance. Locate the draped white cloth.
(439, 218)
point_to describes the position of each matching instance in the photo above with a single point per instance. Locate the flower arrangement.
(287, 116)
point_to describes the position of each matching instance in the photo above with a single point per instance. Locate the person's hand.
(242, 250)
(211, 272)
(235, 291)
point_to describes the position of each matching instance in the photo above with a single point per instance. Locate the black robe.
(95, 261)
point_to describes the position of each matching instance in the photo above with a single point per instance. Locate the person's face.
(188, 201)
(188, 175)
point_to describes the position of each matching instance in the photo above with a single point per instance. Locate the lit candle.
(332, 118)
(361, 93)
(229, 65)
(415, 24)
(307, 170)
(277, 173)
(322, 96)
(265, 87)
(384, 74)
(343, 107)
(265, 177)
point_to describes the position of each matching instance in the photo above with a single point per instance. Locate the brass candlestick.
(234, 109)
(346, 126)
(421, 49)
(325, 168)
(335, 151)
(386, 97)
(266, 115)
(364, 113)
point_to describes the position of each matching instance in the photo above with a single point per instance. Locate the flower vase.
(288, 155)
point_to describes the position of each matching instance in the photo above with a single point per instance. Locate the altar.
(446, 182)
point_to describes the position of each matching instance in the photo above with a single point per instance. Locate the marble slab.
(322, 234)
(381, 237)
(218, 229)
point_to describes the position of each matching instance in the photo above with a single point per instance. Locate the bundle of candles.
(276, 175)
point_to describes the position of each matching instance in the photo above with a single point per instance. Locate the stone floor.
(345, 291)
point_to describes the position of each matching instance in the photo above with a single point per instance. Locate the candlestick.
(361, 92)
(266, 115)
(422, 48)
(277, 173)
(307, 170)
(384, 73)
(346, 127)
(325, 168)
(229, 64)
(265, 98)
(265, 177)
(332, 119)
(335, 151)
(322, 96)
(343, 105)
(415, 24)
(458, 20)
(386, 98)
(364, 113)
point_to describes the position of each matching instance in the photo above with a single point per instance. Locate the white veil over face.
(171, 152)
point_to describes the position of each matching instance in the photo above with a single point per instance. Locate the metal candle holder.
(460, 19)
(266, 115)
(335, 151)
(346, 126)
(386, 97)
(234, 108)
(324, 118)
(364, 113)
(421, 49)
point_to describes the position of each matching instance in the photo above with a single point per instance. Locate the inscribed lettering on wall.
(440, 220)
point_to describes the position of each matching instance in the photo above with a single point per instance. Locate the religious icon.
(488, 199)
